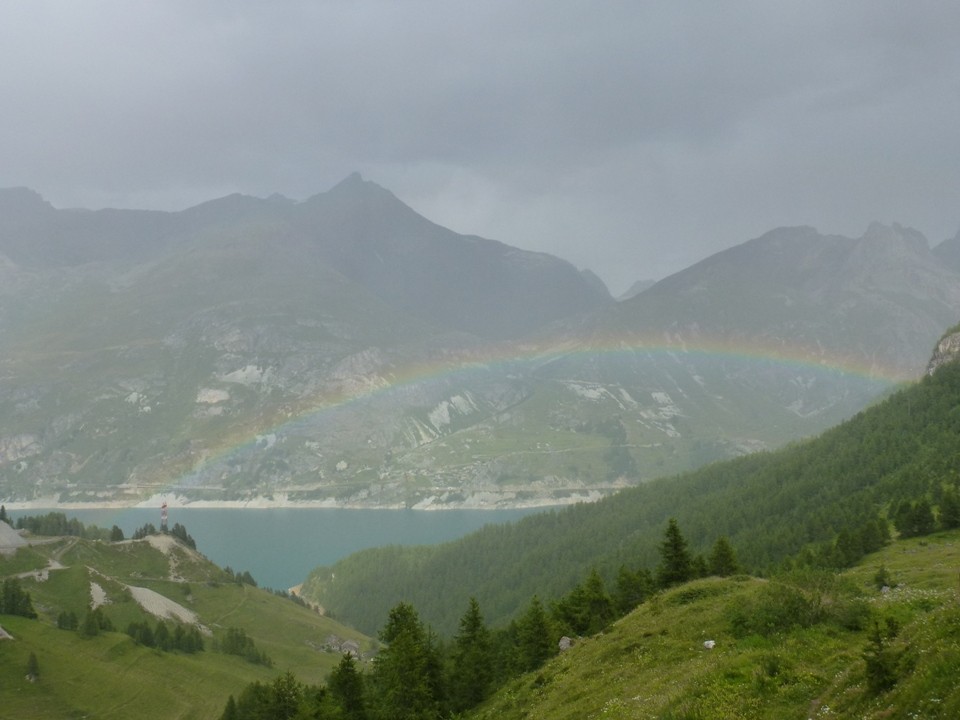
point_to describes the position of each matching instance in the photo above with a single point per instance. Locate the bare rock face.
(947, 350)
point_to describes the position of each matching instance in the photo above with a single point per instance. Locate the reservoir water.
(281, 546)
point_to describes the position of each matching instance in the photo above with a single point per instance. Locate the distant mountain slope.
(948, 252)
(172, 333)
(770, 505)
(464, 283)
(638, 287)
(457, 282)
(879, 300)
(345, 350)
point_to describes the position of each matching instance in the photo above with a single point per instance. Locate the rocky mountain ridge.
(946, 351)
(345, 350)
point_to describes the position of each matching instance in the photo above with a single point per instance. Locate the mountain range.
(344, 350)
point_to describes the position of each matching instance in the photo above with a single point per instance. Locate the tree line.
(416, 675)
(897, 456)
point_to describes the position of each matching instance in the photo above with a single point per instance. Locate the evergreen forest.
(821, 502)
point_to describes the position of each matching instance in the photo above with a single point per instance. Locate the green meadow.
(109, 675)
(790, 647)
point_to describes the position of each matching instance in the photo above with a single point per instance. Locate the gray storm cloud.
(630, 138)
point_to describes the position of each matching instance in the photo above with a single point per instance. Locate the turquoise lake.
(280, 546)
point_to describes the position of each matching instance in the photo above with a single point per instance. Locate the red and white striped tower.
(163, 517)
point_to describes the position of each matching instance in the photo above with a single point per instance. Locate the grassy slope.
(652, 664)
(109, 676)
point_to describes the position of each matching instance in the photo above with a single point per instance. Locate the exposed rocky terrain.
(344, 350)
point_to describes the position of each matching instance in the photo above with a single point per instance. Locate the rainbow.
(529, 357)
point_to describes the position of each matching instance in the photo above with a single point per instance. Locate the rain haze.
(630, 138)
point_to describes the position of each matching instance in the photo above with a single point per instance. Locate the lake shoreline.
(281, 546)
(264, 503)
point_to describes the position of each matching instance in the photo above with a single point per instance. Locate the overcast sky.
(633, 138)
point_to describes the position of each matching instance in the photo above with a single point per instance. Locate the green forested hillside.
(89, 663)
(770, 505)
(876, 641)
(816, 646)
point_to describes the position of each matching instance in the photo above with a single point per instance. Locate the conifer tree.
(404, 671)
(347, 688)
(587, 609)
(950, 509)
(632, 589)
(723, 561)
(90, 627)
(535, 643)
(847, 549)
(599, 603)
(676, 566)
(14, 600)
(881, 662)
(871, 535)
(230, 711)
(472, 670)
(286, 696)
(915, 519)
(161, 636)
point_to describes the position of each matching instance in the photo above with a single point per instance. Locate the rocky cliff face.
(947, 351)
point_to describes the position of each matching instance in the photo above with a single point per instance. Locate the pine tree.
(915, 519)
(587, 609)
(90, 627)
(404, 672)
(881, 662)
(347, 687)
(723, 561)
(472, 670)
(950, 509)
(847, 549)
(871, 536)
(534, 638)
(3, 514)
(14, 600)
(161, 636)
(287, 694)
(632, 589)
(676, 565)
(230, 711)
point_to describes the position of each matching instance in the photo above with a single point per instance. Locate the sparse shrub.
(883, 578)
(852, 613)
(777, 608)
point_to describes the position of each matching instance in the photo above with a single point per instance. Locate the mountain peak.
(355, 188)
(895, 234)
(19, 199)
(353, 182)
